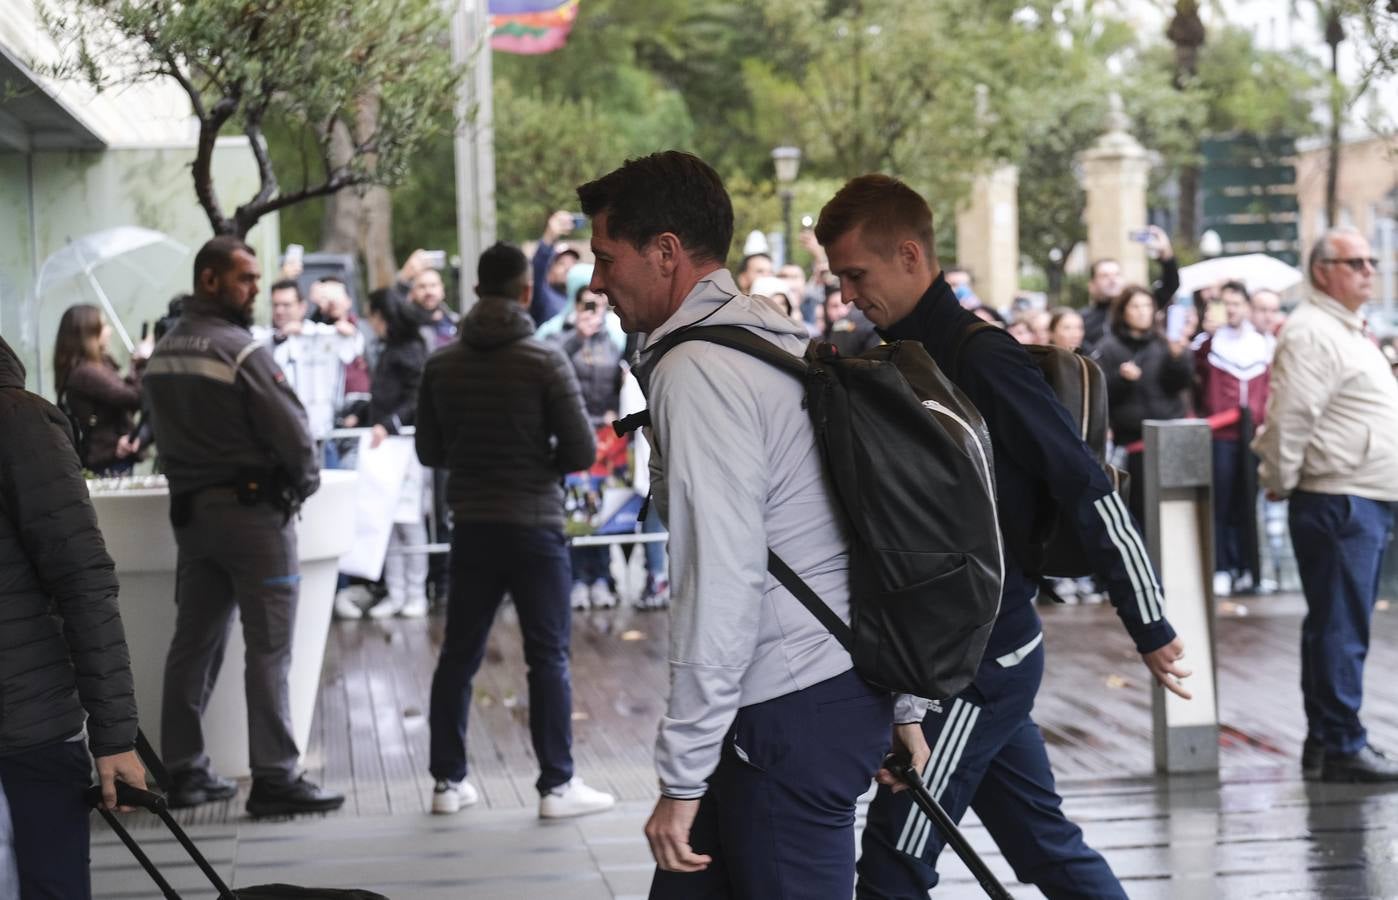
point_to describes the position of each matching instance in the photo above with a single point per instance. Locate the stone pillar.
(987, 236)
(1115, 172)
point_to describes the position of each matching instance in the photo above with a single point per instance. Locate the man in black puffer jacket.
(63, 657)
(501, 409)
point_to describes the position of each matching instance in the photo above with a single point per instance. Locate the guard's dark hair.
(885, 209)
(670, 191)
(287, 284)
(217, 254)
(502, 271)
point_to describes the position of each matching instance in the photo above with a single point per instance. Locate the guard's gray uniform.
(224, 415)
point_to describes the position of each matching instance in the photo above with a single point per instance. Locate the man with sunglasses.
(1331, 446)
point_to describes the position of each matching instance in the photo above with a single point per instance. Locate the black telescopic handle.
(900, 764)
(128, 795)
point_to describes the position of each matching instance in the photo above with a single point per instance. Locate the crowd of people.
(771, 731)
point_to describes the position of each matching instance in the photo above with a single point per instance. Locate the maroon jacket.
(1234, 367)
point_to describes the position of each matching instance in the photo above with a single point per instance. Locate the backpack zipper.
(989, 477)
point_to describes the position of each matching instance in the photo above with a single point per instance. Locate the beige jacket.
(1332, 418)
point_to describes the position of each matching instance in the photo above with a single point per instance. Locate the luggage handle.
(901, 765)
(128, 795)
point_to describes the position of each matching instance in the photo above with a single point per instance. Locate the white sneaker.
(452, 796)
(1243, 583)
(416, 608)
(580, 598)
(574, 799)
(1223, 584)
(345, 607)
(386, 608)
(602, 596)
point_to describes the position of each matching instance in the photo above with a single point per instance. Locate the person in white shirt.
(313, 355)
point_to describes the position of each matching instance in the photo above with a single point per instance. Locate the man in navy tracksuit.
(987, 753)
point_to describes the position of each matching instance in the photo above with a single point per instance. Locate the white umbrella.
(81, 257)
(1256, 270)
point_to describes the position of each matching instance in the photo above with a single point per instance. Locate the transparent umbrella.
(81, 258)
(1256, 270)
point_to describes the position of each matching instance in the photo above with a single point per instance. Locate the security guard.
(240, 460)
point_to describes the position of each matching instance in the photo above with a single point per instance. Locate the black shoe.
(1368, 765)
(1312, 759)
(299, 796)
(197, 787)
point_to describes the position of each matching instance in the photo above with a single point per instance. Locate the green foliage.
(381, 69)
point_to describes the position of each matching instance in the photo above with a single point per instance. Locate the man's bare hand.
(377, 437)
(560, 223)
(908, 740)
(125, 767)
(345, 328)
(668, 833)
(1130, 371)
(415, 263)
(1164, 665)
(1160, 243)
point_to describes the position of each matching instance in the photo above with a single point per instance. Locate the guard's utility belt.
(250, 486)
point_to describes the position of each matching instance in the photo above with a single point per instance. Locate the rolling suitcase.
(155, 803)
(901, 766)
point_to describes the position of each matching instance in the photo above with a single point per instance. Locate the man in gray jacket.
(769, 735)
(501, 410)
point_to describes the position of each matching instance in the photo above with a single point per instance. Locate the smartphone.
(579, 221)
(1140, 235)
(295, 253)
(436, 259)
(145, 330)
(1174, 323)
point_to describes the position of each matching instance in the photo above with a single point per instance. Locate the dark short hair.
(743, 266)
(1092, 269)
(217, 254)
(332, 279)
(502, 270)
(884, 207)
(672, 192)
(287, 284)
(1236, 287)
(401, 328)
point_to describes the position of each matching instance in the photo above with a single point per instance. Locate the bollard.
(1179, 534)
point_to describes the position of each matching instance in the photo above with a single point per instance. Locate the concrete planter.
(135, 522)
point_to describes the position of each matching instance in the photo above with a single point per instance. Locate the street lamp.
(787, 161)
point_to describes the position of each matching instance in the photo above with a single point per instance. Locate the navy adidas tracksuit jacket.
(987, 751)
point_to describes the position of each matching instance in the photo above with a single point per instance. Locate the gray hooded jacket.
(735, 470)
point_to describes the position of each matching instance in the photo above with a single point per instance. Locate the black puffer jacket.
(397, 375)
(501, 410)
(62, 647)
(1157, 394)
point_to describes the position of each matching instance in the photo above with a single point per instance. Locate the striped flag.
(531, 26)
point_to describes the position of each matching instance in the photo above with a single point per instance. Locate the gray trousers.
(232, 557)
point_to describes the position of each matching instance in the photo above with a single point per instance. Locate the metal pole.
(787, 245)
(1179, 534)
(475, 141)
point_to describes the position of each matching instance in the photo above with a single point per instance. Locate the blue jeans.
(1339, 541)
(592, 564)
(532, 565)
(778, 816)
(44, 788)
(655, 550)
(987, 754)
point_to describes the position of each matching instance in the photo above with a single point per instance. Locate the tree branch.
(248, 215)
(209, 127)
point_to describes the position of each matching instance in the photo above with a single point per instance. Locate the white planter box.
(136, 526)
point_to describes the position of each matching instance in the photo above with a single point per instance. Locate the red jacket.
(1234, 367)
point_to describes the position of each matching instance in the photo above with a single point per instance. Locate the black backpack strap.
(809, 599)
(976, 328)
(736, 338)
(732, 336)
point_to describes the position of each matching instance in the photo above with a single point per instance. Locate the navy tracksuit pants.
(987, 754)
(778, 816)
(1339, 541)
